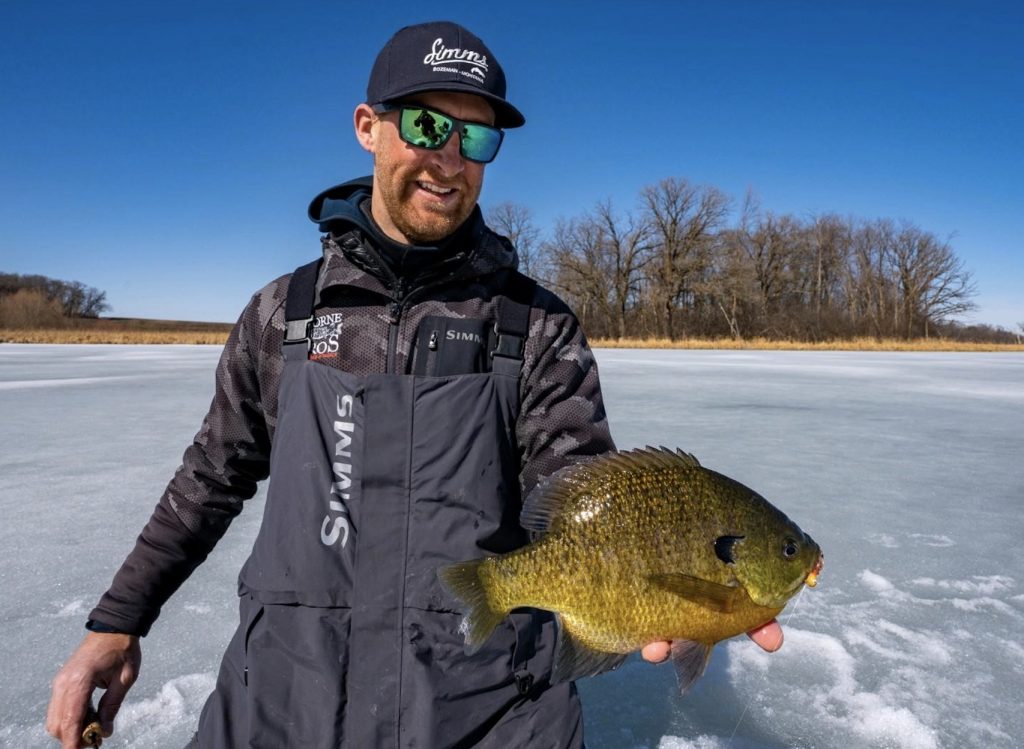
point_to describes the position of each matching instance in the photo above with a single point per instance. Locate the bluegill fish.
(638, 547)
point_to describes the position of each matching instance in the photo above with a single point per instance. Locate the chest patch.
(324, 339)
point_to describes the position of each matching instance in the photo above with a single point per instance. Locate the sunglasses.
(427, 128)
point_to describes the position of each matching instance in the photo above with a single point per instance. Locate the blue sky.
(166, 152)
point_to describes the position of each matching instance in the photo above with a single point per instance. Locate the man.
(403, 394)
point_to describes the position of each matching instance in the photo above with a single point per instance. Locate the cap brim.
(505, 115)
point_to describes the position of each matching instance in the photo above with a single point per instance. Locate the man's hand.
(768, 636)
(110, 661)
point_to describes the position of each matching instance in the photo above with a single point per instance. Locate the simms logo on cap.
(442, 58)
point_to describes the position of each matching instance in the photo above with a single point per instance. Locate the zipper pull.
(395, 312)
(432, 344)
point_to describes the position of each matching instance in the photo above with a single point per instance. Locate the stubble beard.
(419, 224)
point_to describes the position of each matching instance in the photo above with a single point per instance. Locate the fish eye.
(790, 548)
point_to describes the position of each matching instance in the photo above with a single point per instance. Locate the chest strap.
(298, 311)
(510, 329)
(512, 325)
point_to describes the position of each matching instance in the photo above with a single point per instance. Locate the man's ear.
(364, 119)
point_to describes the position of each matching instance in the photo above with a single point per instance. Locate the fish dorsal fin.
(720, 598)
(575, 660)
(550, 497)
(690, 659)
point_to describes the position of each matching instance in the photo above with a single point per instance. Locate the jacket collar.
(357, 253)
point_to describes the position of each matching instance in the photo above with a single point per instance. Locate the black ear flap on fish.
(690, 659)
(724, 548)
(575, 660)
(720, 598)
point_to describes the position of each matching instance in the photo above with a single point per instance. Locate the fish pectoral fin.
(720, 598)
(574, 659)
(690, 659)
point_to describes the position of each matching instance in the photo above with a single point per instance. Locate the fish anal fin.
(720, 598)
(574, 659)
(690, 659)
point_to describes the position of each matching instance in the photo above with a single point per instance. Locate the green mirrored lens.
(479, 142)
(424, 128)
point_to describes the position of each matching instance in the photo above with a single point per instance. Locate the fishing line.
(764, 675)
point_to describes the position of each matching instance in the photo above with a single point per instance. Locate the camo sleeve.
(562, 416)
(221, 468)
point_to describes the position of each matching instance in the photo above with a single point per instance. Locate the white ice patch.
(896, 643)
(884, 540)
(167, 719)
(927, 539)
(981, 584)
(59, 382)
(1015, 649)
(702, 742)
(822, 677)
(197, 608)
(975, 605)
(879, 584)
(77, 607)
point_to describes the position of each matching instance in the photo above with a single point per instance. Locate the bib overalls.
(346, 637)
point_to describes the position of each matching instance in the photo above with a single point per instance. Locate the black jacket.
(379, 305)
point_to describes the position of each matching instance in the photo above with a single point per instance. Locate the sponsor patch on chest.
(324, 340)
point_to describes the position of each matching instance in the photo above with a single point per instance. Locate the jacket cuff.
(97, 626)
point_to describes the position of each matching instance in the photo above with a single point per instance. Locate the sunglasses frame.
(458, 126)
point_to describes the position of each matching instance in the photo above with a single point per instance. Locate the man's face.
(421, 196)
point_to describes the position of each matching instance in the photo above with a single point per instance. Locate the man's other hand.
(107, 661)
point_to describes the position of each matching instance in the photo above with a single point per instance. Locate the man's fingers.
(110, 703)
(768, 636)
(656, 652)
(116, 692)
(67, 709)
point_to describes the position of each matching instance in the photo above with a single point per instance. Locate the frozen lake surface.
(907, 468)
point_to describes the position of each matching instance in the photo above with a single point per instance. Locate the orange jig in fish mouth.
(812, 577)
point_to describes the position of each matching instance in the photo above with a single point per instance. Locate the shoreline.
(219, 338)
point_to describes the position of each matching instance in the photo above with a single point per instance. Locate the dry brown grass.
(125, 330)
(856, 344)
(162, 331)
(100, 335)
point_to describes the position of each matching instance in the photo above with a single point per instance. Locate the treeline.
(32, 301)
(678, 266)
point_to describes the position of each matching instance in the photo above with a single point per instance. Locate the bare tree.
(597, 260)
(627, 246)
(932, 281)
(682, 220)
(731, 285)
(580, 271)
(515, 221)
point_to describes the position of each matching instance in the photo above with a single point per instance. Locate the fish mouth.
(812, 577)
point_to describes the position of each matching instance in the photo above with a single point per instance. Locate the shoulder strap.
(298, 310)
(512, 325)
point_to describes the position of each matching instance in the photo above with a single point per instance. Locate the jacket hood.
(338, 206)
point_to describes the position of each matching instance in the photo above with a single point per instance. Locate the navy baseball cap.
(440, 56)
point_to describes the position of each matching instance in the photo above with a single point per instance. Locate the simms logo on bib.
(447, 59)
(335, 526)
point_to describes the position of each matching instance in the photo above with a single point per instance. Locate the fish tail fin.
(463, 580)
